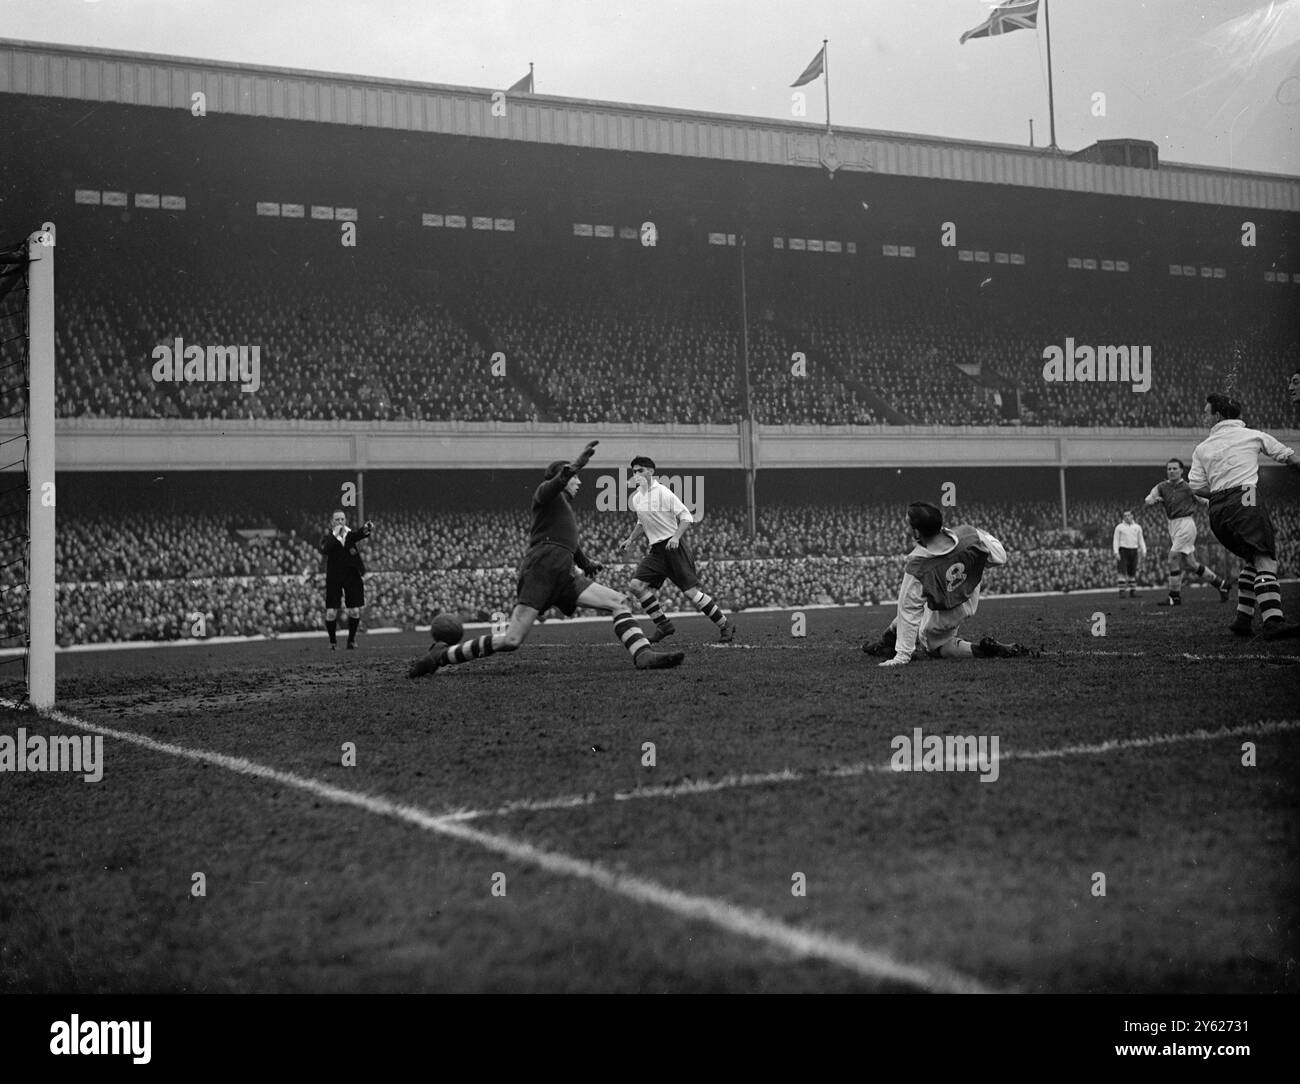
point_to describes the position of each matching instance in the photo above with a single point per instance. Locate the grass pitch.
(501, 829)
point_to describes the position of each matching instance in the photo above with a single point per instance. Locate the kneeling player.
(548, 577)
(940, 589)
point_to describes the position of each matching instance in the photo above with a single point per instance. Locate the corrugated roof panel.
(105, 75)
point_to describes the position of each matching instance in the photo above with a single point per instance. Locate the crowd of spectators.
(151, 574)
(581, 342)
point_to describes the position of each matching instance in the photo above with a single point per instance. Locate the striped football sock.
(1175, 582)
(1211, 577)
(650, 606)
(629, 633)
(1270, 597)
(480, 647)
(1246, 593)
(709, 609)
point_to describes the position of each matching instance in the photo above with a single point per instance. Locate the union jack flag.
(1007, 16)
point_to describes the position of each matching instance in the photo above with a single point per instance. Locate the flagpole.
(532, 83)
(1051, 100)
(826, 79)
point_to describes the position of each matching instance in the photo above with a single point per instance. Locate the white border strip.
(790, 775)
(129, 645)
(868, 963)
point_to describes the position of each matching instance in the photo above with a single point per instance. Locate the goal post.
(40, 466)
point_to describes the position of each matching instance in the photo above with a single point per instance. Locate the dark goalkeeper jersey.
(553, 518)
(1177, 498)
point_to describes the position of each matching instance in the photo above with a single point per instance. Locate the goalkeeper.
(555, 572)
(940, 589)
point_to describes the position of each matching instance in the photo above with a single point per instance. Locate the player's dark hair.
(555, 468)
(1223, 406)
(1179, 462)
(643, 461)
(925, 518)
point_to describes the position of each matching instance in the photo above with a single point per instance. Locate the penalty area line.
(847, 771)
(868, 963)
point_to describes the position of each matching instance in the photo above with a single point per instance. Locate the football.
(447, 629)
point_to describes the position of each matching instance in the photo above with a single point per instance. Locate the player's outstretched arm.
(907, 625)
(1154, 496)
(996, 551)
(1197, 480)
(588, 566)
(584, 457)
(637, 532)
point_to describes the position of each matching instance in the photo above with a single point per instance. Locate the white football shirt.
(1229, 457)
(659, 510)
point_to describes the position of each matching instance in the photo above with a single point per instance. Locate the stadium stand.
(143, 575)
(582, 345)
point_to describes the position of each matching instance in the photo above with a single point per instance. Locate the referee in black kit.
(343, 571)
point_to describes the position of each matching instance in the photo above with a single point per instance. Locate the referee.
(343, 571)
(1225, 468)
(1128, 543)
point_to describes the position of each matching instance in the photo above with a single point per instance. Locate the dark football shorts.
(660, 563)
(1244, 529)
(1127, 562)
(548, 577)
(349, 588)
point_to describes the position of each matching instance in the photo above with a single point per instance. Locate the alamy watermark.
(1113, 364)
(179, 363)
(77, 1036)
(946, 753)
(79, 753)
(612, 492)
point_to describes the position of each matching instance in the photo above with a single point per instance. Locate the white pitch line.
(869, 963)
(1174, 656)
(844, 771)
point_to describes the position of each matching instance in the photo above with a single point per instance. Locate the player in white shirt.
(1225, 468)
(662, 519)
(1128, 543)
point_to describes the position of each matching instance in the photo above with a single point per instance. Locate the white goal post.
(40, 467)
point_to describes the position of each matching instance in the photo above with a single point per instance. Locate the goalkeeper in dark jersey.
(940, 589)
(555, 572)
(1180, 506)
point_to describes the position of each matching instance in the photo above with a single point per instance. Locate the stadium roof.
(141, 79)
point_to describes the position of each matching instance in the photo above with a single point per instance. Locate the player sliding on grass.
(1180, 506)
(548, 577)
(940, 589)
(663, 519)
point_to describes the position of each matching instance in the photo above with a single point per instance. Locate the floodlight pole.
(746, 433)
(1051, 100)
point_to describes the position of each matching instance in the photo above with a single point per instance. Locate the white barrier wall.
(94, 444)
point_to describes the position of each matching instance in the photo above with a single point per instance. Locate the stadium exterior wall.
(146, 444)
(95, 75)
